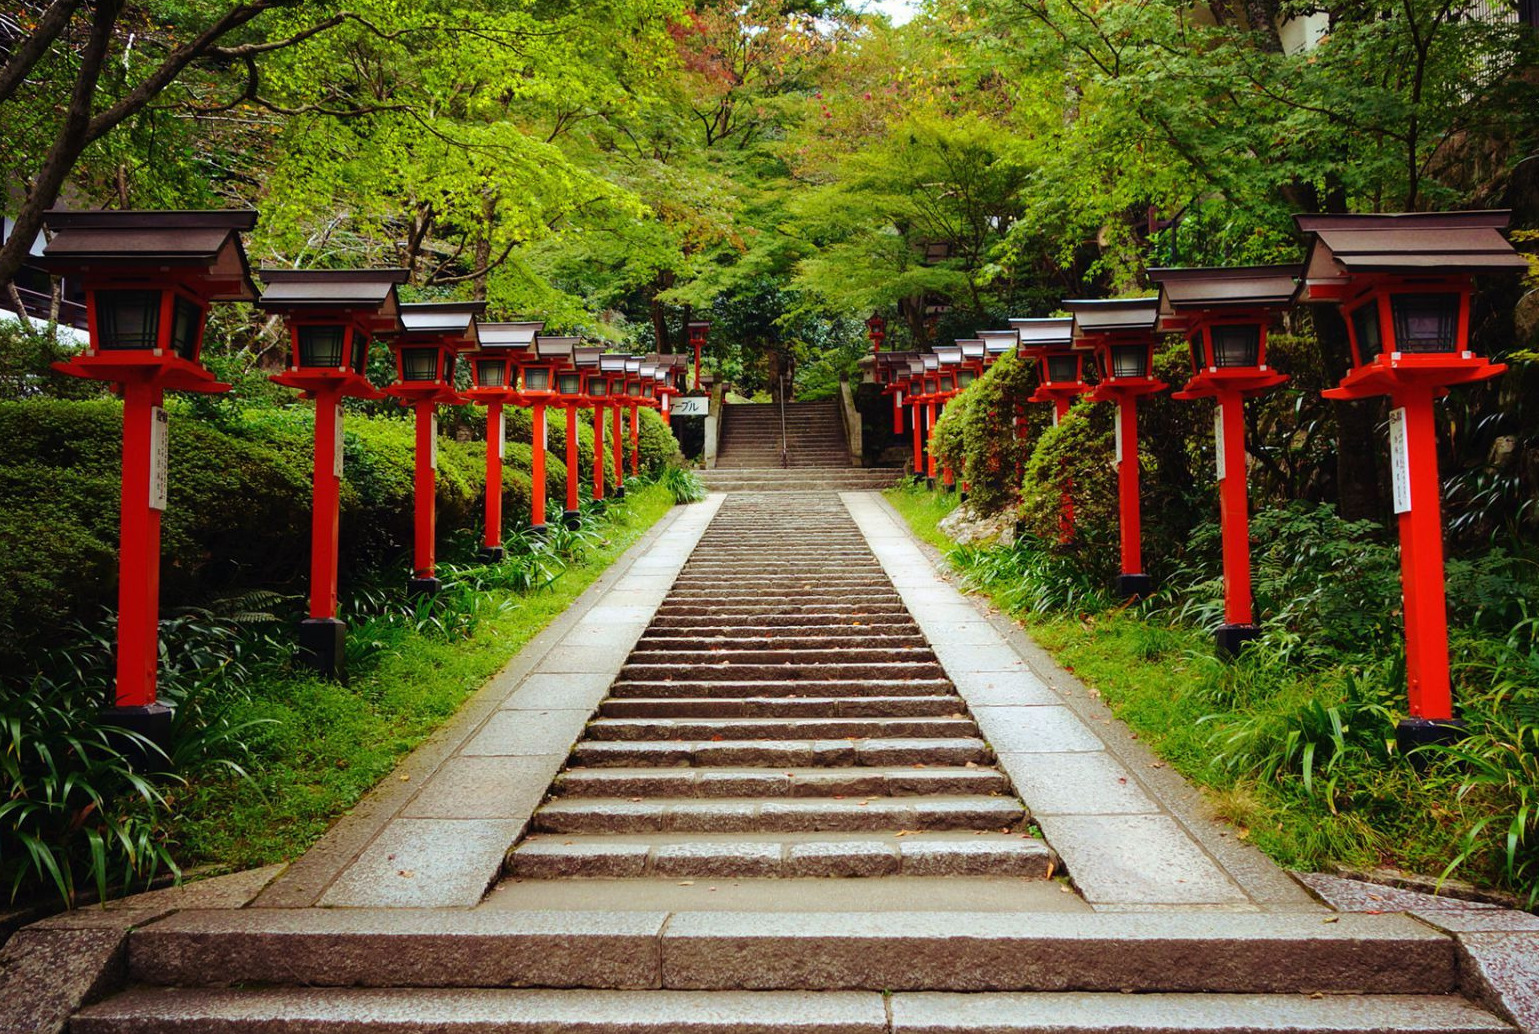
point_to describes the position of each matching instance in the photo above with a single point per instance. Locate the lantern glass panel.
(966, 378)
(596, 387)
(1194, 351)
(947, 382)
(1129, 361)
(1365, 326)
(491, 373)
(449, 358)
(1237, 344)
(419, 364)
(127, 319)
(537, 378)
(569, 384)
(186, 328)
(1425, 322)
(1063, 369)
(360, 352)
(321, 347)
(633, 389)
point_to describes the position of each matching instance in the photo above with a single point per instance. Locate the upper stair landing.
(751, 436)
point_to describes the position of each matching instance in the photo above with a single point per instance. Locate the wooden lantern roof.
(445, 323)
(367, 295)
(517, 336)
(1408, 243)
(1105, 317)
(204, 246)
(550, 346)
(1053, 331)
(1192, 292)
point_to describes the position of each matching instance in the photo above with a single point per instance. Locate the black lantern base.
(951, 487)
(538, 530)
(491, 554)
(1134, 585)
(929, 483)
(619, 492)
(423, 586)
(572, 519)
(153, 722)
(323, 645)
(1229, 640)
(1412, 733)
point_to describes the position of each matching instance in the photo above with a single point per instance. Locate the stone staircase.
(781, 719)
(749, 456)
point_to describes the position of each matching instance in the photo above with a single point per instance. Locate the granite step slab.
(898, 671)
(781, 753)
(867, 643)
(782, 815)
(788, 855)
(810, 728)
(783, 707)
(771, 783)
(836, 627)
(628, 688)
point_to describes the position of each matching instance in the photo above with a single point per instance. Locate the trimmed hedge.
(238, 514)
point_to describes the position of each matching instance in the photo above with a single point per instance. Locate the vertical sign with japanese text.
(160, 458)
(1399, 460)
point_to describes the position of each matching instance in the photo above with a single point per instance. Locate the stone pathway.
(802, 695)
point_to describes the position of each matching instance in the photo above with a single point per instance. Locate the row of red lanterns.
(1403, 283)
(149, 280)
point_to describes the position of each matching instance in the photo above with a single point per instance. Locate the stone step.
(821, 610)
(794, 782)
(1225, 952)
(835, 625)
(880, 753)
(736, 672)
(502, 1011)
(764, 653)
(783, 707)
(780, 815)
(745, 688)
(791, 855)
(809, 728)
(870, 640)
(726, 595)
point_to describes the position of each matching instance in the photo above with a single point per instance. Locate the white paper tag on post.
(502, 435)
(1117, 431)
(336, 446)
(1400, 460)
(1218, 439)
(544, 434)
(160, 458)
(433, 440)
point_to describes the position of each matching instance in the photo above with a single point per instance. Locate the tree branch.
(32, 49)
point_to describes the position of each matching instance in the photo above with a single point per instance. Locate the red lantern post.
(332, 315)
(538, 388)
(612, 366)
(1403, 282)
(494, 384)
(433, 335)
(149, 278)
(1224, 315)
(569, 388)
(1060, 380)
(876, 330)
(596, 390)
(950, 357)
(1121, 334)
(698, 330)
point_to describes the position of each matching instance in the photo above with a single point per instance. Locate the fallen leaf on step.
(405, 778)
(1158, 764)
(408, 873)
(1331, 919)
(687, 883)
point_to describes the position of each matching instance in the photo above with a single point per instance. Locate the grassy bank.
(1295, 750)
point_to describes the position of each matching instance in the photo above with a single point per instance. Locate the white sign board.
(160, 458)
(545, 435)
(695, 405)
(433, 438)
(1117, 432)
(1400, 460)
(336, 446)
(1218, 438)
(502, 435)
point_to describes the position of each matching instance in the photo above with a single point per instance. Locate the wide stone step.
(810, 728)
(842, 626)
(499, 1011)
(782, 855)
(871, 641)
(879, 753)
(1253, 953)
(818, 608)
(728, 596)
(736, 672)
(793, 782)
(764, 654)
(734, 688)
(846, 617)
(783, 707)
(793, 815)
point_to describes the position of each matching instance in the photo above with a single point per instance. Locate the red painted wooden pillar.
(897, 412)
(918, 443)
(666, 409)
(572, 465)
(1061, 407)
(1127, 496)
(929, 427)
(598, 451)
(491, 540)
(618, 445)
(537, 468)
(1421, 553)
(1234, 509)
(635, 440)
(139, 546)
(425, 480)
(326, 478)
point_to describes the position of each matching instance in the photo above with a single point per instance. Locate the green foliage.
(684, 485)
(1075, 459)
(976, 433)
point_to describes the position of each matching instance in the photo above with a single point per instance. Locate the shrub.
(1075, 458)
(976, 433)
